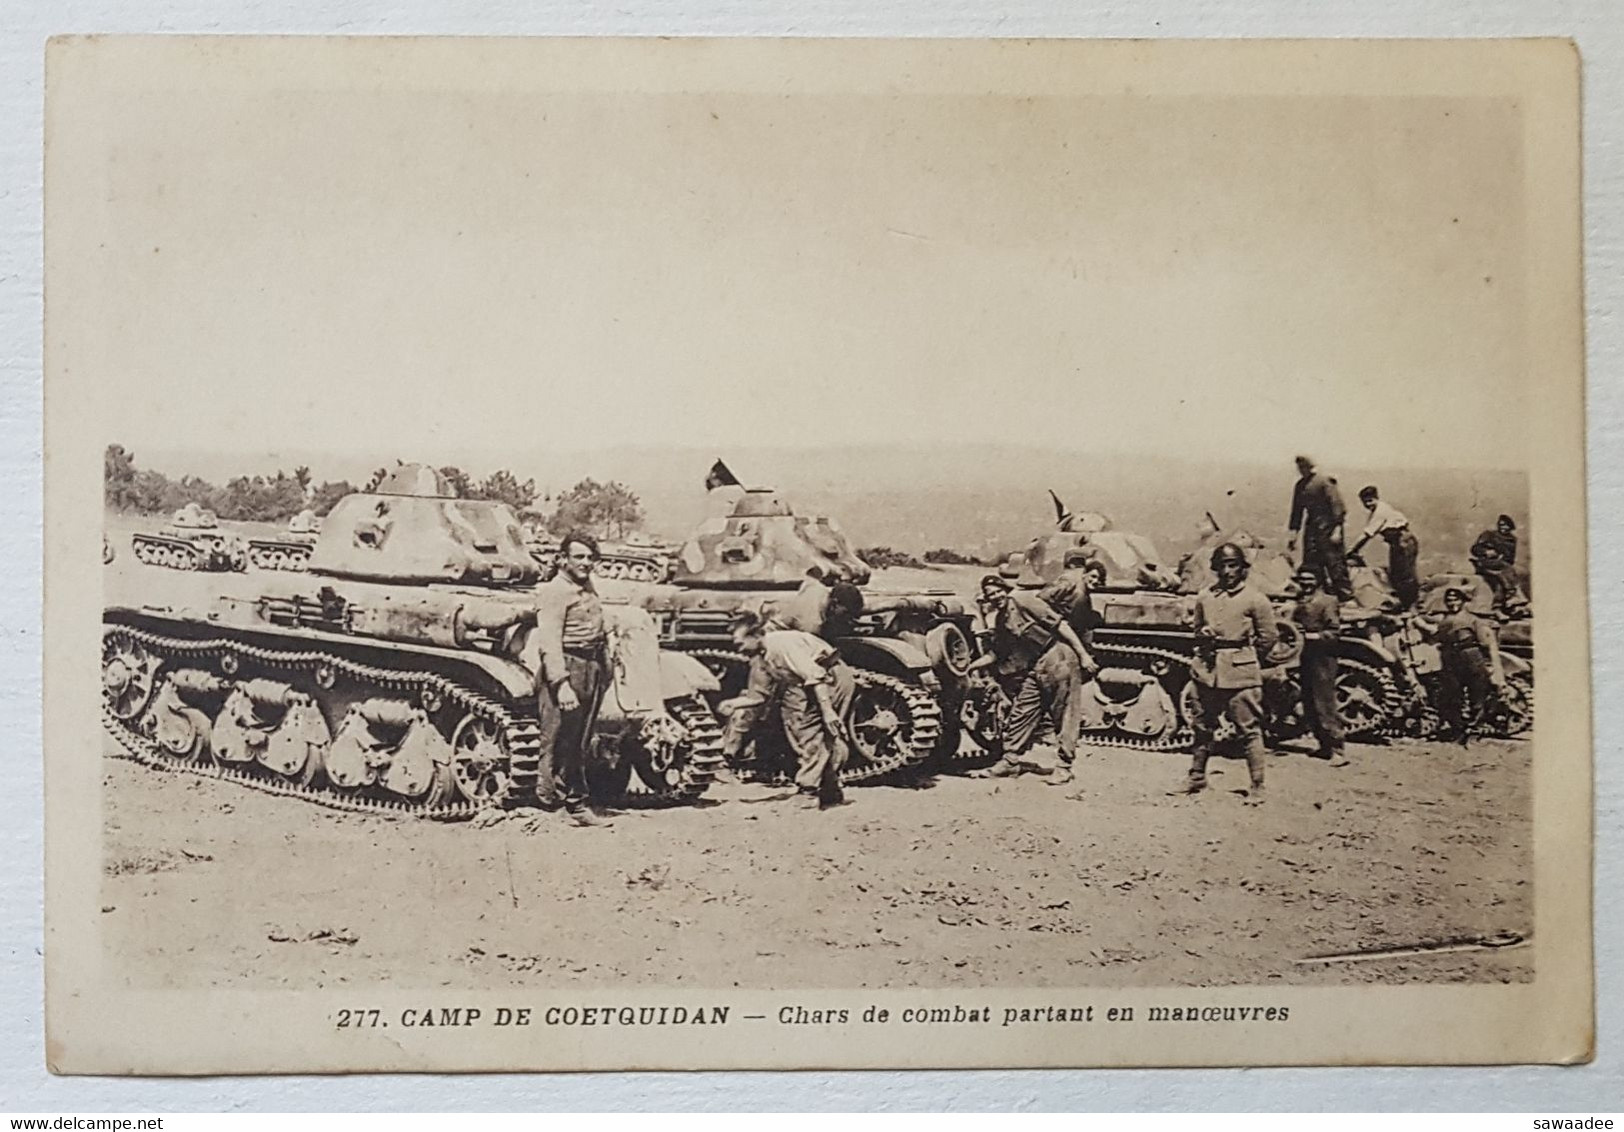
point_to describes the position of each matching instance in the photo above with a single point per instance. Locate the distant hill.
(986, 499)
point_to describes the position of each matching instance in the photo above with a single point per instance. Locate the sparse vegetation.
(884, 557)
(947, 556)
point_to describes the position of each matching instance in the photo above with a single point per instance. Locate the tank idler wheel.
(127, 677)
(1512, 712)
(479, 762)
(1361, 700)
(891, 725)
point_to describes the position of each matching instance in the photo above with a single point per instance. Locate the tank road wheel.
(441, 789)
(892, 725)
(479, 761)
(1362, 697)
(127, 676)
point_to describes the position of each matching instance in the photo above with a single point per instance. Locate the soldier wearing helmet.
(1234, 628)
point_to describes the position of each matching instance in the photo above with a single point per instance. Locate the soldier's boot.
(1003, 768)
(1061, 775)
(1197, 781)
(1254, 796)
(586, 818)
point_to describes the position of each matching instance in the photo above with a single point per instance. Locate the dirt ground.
(961, 882)
(956, 882)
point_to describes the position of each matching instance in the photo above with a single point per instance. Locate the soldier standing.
(813, 688)
(1403, 549)
(1319, 616)
(1317, 511)
(572, 679)
(1234, 627)
(1026, 633)
(1068, 595)
(1469, 665)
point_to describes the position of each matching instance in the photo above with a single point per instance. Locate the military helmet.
(1228, 552)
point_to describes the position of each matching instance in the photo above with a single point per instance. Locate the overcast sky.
(1237, 278)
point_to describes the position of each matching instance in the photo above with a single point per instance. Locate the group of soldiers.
(1038, 651)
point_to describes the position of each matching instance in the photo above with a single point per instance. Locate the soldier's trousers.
(1464, 687)
(1324, 554)
(1241, 706)
(1050, 688)
(1317, 676)
(819, 756)
(1502, 579)
(1402, 551)
(566, 736)
(749, 717)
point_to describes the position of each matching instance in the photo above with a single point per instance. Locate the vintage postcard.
(672, 554)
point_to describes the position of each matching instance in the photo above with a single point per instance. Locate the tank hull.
(360, 695)
(176, 550)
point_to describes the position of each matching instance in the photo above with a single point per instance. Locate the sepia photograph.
(700, 554)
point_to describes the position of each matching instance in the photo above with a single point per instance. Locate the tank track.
(521, 736)
(704, 760)
(925, 712)
(1392, 703)
(1182, 737)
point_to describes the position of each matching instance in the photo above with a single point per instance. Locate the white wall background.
(24, 1085)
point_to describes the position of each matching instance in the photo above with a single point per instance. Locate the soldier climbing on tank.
(813, 689)
(1317, 512)
(1319, 616)
(1494, 558)
(1025, 630)
(823, 608)
(1470, 673)
(1234, 628)
(573, 677)
(1389, 523)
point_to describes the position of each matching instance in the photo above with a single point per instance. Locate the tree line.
(610, 509)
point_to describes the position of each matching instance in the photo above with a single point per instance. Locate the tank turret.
(412, 529)
(194, 518)
(763, 544)
(1114, 560)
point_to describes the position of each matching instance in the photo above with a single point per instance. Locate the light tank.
(193, 540)
(397, 673)
(1144, 697)
(292, 550)
(1403, 639)
(638, 558)
(910, 651)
